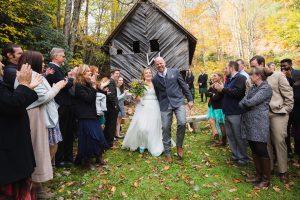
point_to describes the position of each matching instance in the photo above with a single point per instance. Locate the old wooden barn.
(145, 33)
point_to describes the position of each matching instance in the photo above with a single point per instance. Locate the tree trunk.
(58, 15)
(67, 19)
(75, 20)
(86, 17)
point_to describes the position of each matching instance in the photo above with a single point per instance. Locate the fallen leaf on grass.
(232, 190)
(136, 184)
(113, 189)
(236, 180)
(195, 195)
(167, 187)
(276, 188)
(124, 195)
(167, 167)
(69, 183)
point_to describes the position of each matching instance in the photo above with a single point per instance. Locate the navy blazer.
(63, 97)
(171, 89)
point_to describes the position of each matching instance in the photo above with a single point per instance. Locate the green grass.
(205, 173)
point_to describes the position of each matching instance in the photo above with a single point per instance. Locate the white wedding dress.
(145, 129)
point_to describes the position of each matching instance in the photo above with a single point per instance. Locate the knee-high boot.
(266, 173)
(258, 168)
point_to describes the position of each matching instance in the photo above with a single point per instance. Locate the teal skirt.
(218, 116)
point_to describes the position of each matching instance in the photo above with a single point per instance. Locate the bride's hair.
(144, 71)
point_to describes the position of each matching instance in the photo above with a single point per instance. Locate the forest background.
(225, 29)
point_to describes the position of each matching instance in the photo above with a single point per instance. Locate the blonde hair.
(94, 69)
(143, 73)
(82, 69)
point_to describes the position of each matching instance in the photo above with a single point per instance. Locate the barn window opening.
(136, 47)
(154, 45)
(119, 51)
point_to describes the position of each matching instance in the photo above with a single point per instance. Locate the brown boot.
(168, 158)
(257, 165)
(179, 152)
(266, 173)
(224, 141)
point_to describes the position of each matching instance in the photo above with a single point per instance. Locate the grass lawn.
(205, 173)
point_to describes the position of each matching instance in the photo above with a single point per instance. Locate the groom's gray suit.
(170, 89)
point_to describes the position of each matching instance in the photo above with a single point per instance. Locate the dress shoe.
(266, 173)
(64, 164)
(168, 158)
(257, 178)
(141, 149)
(179, 152)
(284, 178)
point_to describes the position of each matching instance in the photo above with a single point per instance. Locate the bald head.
(160, 64)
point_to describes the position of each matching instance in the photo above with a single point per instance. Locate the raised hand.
(35, 81)
(60, 84)
(49, 71)
(24, 75)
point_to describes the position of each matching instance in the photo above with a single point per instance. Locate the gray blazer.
(255, 121)
(170, 91)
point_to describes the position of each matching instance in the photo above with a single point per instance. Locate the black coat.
(215, 98)
(190, 81)
(112, 101)
(16, 154)
(63, 97)
(10, 71)
(85, 102)
(203, 78)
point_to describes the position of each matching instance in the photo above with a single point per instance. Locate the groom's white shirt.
(164, 73)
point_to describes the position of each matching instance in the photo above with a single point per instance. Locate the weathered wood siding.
(147, 24)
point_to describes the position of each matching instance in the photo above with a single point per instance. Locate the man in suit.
(202, 82)
(112, 105)
(234, 91)
(287, 65)
(12, 54)
(280, 106)
(170, 89)
(64, 155)
(242, 68)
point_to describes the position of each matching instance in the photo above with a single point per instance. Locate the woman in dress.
(41, 116)
(145, 130)
(16, 152)
(255, 125)
(215, 113)
(121, 93)
(91, 141)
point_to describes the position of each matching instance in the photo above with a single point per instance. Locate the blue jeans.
(237, 143)
(167, 117)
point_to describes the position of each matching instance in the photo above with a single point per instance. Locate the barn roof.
(192, 39)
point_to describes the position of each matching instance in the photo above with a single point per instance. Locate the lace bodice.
(150, 94)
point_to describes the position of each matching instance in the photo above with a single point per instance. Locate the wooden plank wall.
(147, 24)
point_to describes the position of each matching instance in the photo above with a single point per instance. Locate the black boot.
(266, 173)
(257, 178)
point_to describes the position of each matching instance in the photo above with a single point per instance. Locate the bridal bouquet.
(138, 88)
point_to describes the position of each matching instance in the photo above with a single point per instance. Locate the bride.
(145, 130)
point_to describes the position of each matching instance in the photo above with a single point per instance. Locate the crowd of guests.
(259, 109)
(43, 109)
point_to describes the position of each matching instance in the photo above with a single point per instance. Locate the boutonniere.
(172, 76)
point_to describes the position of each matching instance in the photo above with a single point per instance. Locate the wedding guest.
(272, 66)
(67, 124)
(202, 82)
(242, 67)
(255, 124)
(1, 68)
(280, 106)
(215, 113)
(12, 54)
(121, 93)
(112, 107)
(102, 89)
(91, 141)
(288, 65)
(189, 79)
(233, 91)
(16, 153)
(41, 116)
(295, 118)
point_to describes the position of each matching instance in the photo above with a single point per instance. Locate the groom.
(170, 90)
